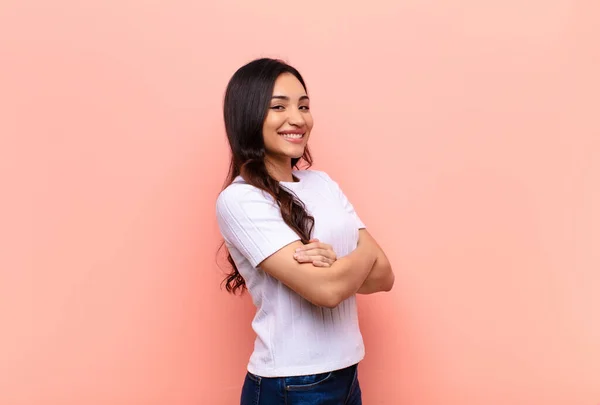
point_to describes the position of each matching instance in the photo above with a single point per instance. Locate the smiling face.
(287, 127)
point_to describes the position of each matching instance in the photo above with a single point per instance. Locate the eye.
(305, 107)
(277, 107)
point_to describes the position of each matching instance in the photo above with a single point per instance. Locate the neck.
(280, 170)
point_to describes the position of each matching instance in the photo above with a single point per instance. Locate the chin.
(296, 154)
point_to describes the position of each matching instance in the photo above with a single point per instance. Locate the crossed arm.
(301, 267)
(381, 276)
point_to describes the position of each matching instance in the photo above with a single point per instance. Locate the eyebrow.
(305, 97)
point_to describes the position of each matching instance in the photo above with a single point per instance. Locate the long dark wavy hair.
(245, 109)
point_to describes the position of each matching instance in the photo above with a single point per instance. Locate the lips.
(292, 134)
(295, 136)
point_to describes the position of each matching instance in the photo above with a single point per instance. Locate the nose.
(295, 117)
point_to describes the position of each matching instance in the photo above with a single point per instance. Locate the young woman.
(297, 245)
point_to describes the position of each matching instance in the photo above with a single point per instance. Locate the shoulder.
(313, 175)
(319, 179)
(239, 192)
(235, 191)
(241, 199)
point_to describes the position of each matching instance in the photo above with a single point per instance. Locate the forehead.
(287, 84)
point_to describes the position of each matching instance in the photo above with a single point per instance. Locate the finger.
(321, 259)
(330, 254)
(303, 258)
(320, 252)
(319, 263)
(309, 246)
(327, 260)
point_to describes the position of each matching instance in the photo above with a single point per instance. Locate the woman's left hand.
(315, 252)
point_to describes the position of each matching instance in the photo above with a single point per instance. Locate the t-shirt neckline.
(288, 184)
(293, 184)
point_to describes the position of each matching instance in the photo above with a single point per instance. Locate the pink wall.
(471, 140)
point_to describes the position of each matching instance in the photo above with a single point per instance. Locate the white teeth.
(293, 136)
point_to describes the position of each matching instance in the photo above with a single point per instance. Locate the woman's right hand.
(315, 252)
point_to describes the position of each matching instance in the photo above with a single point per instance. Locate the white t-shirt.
(293, 336)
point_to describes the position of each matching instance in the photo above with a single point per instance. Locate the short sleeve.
(250, 220)
(343, 199)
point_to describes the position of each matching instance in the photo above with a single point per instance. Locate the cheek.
(309, 122)
(270, 127)
(272, 122)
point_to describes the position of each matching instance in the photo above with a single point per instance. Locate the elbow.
(386, 281)
(389, 282)
(330, 300)
(324, 294)
(330, 305)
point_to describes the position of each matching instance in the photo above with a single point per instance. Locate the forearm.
(347, 274)
(380, 278)
(323, 287)
(365, 270)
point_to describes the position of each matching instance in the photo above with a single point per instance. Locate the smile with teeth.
(292, 136)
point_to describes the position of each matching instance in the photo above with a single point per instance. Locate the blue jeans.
(338, 387)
